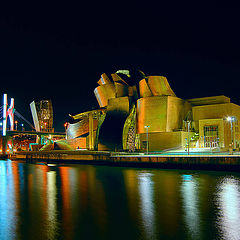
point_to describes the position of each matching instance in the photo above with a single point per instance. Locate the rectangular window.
(211, 138)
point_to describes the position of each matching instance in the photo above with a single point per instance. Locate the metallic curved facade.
(155, 86)
(84, 133)
(161, 113)
(144, 89)
(110, 89)
(104, 79)
(128, 109)
(103, 93)
(152, 111)
(159, 86)
(121, 90)
(77, 129)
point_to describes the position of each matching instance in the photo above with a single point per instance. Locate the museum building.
(147, 115)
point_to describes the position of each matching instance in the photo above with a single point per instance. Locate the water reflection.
(51, 204)
(99, 202)
(8, 219)
(147, 205)
(228, 201)
(190, 196)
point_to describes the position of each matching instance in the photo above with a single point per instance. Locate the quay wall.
(208, 162)
(61, 156)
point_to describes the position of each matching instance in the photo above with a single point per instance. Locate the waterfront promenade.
(197, 160)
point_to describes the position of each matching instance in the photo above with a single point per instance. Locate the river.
(38, 201)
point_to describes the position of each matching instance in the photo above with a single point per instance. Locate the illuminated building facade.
(146, 114)
(213, 117)
(42, 113)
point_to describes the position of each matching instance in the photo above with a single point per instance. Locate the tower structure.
(7, 111)
(42, 113)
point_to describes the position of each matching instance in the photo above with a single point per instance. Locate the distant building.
(42, 113)
(134, 115)
(213, 117)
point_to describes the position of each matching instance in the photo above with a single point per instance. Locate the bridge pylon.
(8, 111)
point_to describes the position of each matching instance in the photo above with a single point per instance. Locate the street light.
(16, 123)
(188, 122)
(147, 137)
(66, 126)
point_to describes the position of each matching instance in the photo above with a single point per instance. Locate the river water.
(100, 202)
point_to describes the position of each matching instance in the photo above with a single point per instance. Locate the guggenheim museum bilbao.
(146, 114)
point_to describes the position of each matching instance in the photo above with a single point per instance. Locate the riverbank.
(223, 162)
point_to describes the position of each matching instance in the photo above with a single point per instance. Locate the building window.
(211, 138)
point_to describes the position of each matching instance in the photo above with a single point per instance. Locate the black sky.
(59, 51)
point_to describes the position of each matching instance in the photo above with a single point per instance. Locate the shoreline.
(216, 162)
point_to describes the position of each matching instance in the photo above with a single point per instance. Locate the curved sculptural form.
(103, 93)
(129, 106)
(144, 89)
(159, 86)
(116, 95)
(77, 129)
(110, 89)
(155, 86)
(104, 79)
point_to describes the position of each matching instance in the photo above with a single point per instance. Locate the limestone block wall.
(163, 140)
(223, 137)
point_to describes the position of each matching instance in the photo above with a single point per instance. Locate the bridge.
(8, 111)
(16, 132)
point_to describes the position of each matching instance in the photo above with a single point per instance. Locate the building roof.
(209, 100)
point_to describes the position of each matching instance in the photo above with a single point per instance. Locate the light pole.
(16, 123)
(188, 131)
(147, 137)
(66, 127)
(188, 128)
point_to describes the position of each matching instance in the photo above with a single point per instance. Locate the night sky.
(58, 52)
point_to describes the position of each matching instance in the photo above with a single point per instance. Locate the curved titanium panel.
(104, 79)
(117, 78)
(103, 93)
(121, 90)
(144, 89)
(159, 86)
(80, 128)
(77, 129)
(152, 112)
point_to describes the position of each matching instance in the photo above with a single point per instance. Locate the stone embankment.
(206, 162)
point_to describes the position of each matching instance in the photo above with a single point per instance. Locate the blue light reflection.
(189, 191)
(7, 202)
